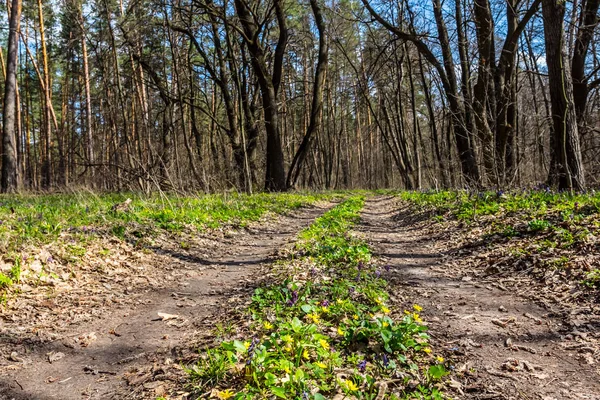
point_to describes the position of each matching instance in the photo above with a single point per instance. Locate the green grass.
(69, 223)
(329, 313)
(548, 229)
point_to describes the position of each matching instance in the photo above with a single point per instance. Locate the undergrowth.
(71, 222)
(326, 329)
(536, 227)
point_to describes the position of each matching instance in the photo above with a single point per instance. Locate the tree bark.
(10, 178)
(568, 171)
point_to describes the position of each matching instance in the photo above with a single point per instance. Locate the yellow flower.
(417, 307)
(355, 316)
(427, 350)
(351, 385)
(247, 345)
(267, 325)
(385, 324)
(225, 394)
(340, 331)
(378, 300)
(320, 365)
(324, 344)
(440, 359)
(385, 310)
(340, 301)
(314, 318)
(325, 309)
(288, 348)
(287, 339)
(305, 354)
(407, 312)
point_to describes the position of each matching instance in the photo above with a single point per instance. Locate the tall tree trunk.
(269, 87)
(47, 162)
(568, 172)
(10, 178)
(317, 100)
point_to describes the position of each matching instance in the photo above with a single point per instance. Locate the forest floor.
(135, 332)
(504, 342)
(503, 338)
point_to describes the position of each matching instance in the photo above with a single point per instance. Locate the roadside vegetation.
(548, 235)
(324, 329)
(37, 232)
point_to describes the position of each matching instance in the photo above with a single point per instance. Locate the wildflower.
(417, 318)
(305, 354)
(288, 348)
(287, 339)
(314, 318)
(225, 394)
(362, 365)
(305, 395)
(377, 273)
(267, 325)
(294, 298)
(325, 303)
(417, 308)
(385, 324)
(387, 268)
(355, 316)
(325, 309)
(320, 365)
(440, 359)
(385, 360)
(247, 344)
(340, 331)
(351, 385)
(340, 301)
(385, 310)
(427, 350)
(324, 344)
(378, 300)
(360, 265)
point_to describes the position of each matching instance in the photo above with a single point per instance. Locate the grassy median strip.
(326, 330)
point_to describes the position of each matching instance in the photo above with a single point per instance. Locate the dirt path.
(138, 342)
(501, 346)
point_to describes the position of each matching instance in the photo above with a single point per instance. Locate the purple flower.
(360, 265)
(377, 273)
(362, 365)
(351, 290)
(294, 298)
(388, 267)
(305, 395)
(325, 303)
(50, 259)
(385, 360)
(251, 350)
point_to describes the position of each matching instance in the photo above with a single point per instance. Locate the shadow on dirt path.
(90, 362)
(500, 346)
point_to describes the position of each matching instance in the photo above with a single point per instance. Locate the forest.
(214, 95)
(313, 199)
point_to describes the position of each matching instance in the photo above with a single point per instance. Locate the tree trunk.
(9, 116)
(568, 172)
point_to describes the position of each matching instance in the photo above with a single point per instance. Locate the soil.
(500, 344)
(127, 337)
(131, 347)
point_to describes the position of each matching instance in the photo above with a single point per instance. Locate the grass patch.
(66, 227)
(326, 329)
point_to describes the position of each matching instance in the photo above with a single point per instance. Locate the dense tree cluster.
(219, 94)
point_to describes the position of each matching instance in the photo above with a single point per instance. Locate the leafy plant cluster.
(325, 330)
